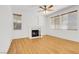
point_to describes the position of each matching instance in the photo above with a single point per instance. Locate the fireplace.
(35, 33)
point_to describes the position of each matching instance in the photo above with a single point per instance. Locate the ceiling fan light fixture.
(46, 8)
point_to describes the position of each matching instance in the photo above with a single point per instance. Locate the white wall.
(35, 19)
(5, 28)
(23, 32)
(30, 18)
(66, 34)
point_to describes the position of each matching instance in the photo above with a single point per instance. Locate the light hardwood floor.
(45, 45)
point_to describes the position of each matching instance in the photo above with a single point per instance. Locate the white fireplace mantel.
(34, 28)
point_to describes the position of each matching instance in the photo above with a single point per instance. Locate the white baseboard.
(3, 52)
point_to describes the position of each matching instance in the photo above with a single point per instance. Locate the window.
(72, 21)
(67, 21)
(17, 22)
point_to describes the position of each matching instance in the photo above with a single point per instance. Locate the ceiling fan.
(45, 8)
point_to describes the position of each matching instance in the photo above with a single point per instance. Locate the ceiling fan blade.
(50, 6)
(50, 9)
(45, 6)
(41, 7)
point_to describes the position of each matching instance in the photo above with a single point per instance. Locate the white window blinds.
(67, 21)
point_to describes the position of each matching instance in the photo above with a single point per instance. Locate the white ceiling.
(18, 8)
(56, 8)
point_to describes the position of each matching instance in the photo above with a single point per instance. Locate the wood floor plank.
(45, 45)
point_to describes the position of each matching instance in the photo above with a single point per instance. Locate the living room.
(29, 21)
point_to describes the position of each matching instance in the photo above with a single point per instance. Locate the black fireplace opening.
(35, 33)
